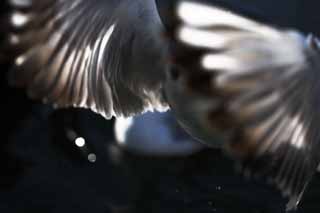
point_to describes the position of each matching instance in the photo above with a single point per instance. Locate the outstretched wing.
(99, 54)
(266, 86)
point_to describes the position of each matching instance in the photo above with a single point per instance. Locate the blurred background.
(67, 160)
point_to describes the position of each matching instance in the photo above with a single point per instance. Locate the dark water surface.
(45, 172)
(42, 170)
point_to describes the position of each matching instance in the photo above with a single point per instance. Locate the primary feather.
(102, 55)
(260, 91)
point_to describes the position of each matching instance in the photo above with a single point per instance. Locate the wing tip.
(291, 185)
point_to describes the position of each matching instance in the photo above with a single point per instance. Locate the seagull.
(224, 76)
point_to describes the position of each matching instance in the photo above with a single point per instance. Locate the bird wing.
(99, 54)
(265, 83)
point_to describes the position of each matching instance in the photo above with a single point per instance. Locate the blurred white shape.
(19, 19)
(122, 126)
(80, 142)
(219, 61)
(199, 15)
(20, 60)
(154, 134)
(201, 38)
(21, 3)
(14, 39)
(92, 158)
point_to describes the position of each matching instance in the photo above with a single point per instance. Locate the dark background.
(43, 171)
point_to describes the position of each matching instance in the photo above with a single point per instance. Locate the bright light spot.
(92, 158)
(19, 19)
(20, 60)
(80, 142)
(200, 15)
(122, 126)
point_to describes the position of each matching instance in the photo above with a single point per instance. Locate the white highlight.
(20, 60)
(201, 38)
(19, 19)
(80, 142)
(219, 62)
(122, 125)
(105, 41)
(298, 136)
(200, 15)
(203, 16)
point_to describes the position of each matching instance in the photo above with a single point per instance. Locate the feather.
(263, 84)
(102, 55)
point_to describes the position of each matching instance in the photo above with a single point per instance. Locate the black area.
(43, 171)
